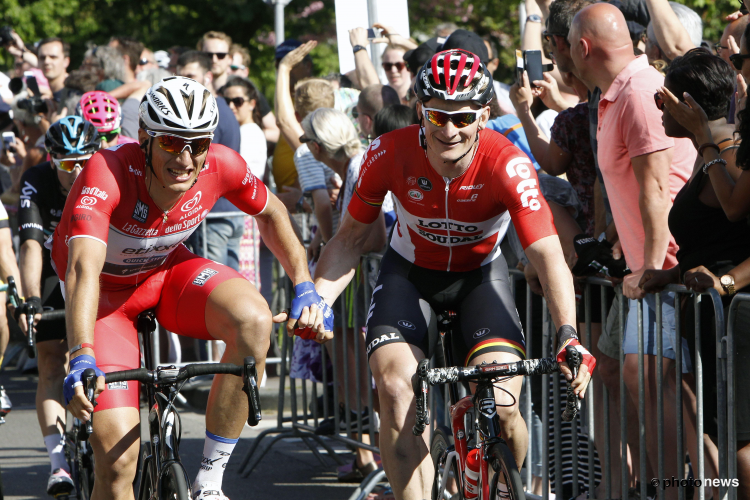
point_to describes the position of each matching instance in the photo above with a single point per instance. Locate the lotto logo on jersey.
(94, 191)
(204, 276)
(192, 203)
(140, 213)
(521, 167)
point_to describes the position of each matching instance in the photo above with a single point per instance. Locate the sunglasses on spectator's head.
(219, 55)
(738, 60)
(659, 101)
(70, 164)
(718, 47)
(175, 144)
(460, 119)
(547, 35)
(109, 136)
(237, 101)
(304, 139)
(399, 66)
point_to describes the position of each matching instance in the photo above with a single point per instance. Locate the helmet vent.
(189, 102)
(170, 123)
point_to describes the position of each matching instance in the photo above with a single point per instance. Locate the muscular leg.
(406, 458)
(4, 330)
(512, 424)
(116, 443)
(53, 359)
(237, 314)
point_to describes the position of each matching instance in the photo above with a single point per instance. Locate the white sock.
(502, 490)
(56, 451)
(216, 453)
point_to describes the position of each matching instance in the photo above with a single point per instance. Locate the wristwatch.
(727, 283)
(534, 18)
(357, 48)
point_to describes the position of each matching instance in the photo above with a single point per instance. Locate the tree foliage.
(161, 24)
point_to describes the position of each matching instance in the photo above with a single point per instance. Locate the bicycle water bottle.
(471, 475)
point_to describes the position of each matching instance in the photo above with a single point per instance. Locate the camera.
(33, 105)
(531, 62)
(6, 35)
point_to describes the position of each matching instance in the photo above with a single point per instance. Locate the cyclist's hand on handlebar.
(567, 336)
(73, 390)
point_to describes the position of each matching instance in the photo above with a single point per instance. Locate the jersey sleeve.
(30, 224)
(238, 184)
(516, 186)
(373, 183)
(93, 198)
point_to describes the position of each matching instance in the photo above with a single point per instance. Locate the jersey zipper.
(447, 223)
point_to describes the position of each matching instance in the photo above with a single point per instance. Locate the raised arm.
(671, 36)
(286, 118)
(366, 73)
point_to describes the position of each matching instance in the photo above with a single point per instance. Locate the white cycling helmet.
(178, 104)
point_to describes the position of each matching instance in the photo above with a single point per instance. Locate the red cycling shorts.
(178, 292)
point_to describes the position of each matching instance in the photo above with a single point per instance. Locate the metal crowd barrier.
(305, 417)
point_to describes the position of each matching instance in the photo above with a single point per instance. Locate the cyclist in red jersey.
(118, 251)
(457, 186)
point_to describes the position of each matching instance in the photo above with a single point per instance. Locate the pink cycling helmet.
(101, 109)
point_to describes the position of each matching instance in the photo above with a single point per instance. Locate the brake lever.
(89, 388)
(573, 404)
(250, 388)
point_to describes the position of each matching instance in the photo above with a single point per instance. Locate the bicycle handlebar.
(169, 376)
(425, 377)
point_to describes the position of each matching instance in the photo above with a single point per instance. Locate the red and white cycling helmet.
(101, 109)
(455, 75)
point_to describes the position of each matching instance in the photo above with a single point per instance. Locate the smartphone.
(519, 65)
(9, 141)
(534, 67)
(31, 83)
(373, 33)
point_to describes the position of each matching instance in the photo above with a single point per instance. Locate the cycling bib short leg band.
(405, 297)
(179, 294)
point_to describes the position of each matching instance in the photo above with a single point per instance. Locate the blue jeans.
(222, 240)
(669, 335)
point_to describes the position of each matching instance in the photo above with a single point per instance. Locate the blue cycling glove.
(73, 380)
(305, 295)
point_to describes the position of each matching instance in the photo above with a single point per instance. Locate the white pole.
(279, 20)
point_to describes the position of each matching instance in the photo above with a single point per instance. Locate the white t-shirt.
(253, 148)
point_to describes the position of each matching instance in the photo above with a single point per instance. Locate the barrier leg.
(678, 407)
(623, 400)
(590, 399)
(660, 395)
(699, 395)
(641, 400)
(527, 401)
(545, 405)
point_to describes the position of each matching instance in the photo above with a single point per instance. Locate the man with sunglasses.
(44, 188)
(119, 244)
(456, 187)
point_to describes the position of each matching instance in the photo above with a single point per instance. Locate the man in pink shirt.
(643, 170)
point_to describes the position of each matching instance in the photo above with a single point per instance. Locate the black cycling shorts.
(51, 298)
(405, 298)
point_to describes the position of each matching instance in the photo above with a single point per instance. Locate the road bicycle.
(474, 422)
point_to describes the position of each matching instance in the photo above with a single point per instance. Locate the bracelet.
(707, 146)
(712, 163)
(357, 48)
(81, 346)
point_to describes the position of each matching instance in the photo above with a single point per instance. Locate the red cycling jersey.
(109, 202)
(452, 224)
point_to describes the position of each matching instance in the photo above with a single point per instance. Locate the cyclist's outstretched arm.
(278, 234)
(85, 262)
(341, 256)
(30, 264)
(557, 283)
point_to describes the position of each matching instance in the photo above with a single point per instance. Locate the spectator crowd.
(636, 130)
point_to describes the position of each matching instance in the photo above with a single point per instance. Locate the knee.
(510, 418)
(253, 327)
(396, 396)
(51, 370)
(116, 470)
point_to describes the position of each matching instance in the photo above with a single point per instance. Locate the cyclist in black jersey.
(44, 189)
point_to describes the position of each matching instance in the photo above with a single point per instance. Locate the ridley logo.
(469, 188)
(487, 407)
(191, 204)
(481, 332)
(407, 324)
(204, 276)
(88, 200)
(415, 195)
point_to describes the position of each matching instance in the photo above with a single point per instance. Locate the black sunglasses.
(718, 47)
(219, 55)
(237, 101)
(738, 60)
(547, 35)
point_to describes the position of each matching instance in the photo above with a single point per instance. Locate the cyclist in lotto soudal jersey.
(456, 187)
(44, 188)
(120, 240)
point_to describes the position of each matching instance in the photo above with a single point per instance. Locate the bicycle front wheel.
(506, 469)
(174, 484)
(439, 448)
(83, 474)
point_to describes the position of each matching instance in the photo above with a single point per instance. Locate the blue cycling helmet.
(72, 135)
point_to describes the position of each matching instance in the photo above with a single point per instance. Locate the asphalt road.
(289, 470)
